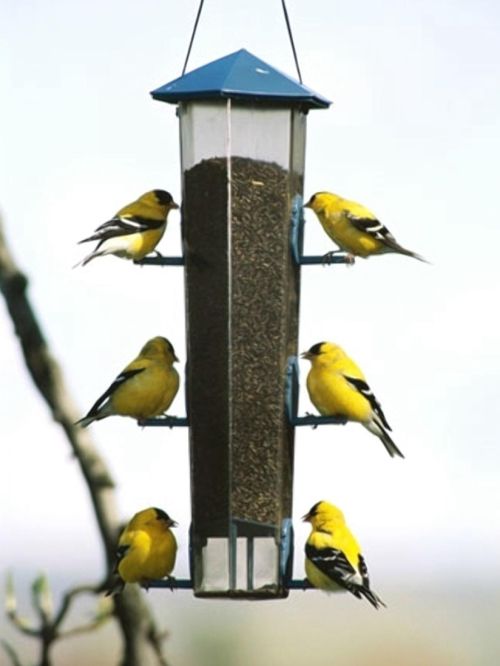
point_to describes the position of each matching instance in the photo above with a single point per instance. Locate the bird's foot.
(170, 419)
(145, 584)
(328, 257)
(171, 582)
(307, 584)
(158, 254)
(315, 425)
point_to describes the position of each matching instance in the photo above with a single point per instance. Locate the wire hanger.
(288, 26)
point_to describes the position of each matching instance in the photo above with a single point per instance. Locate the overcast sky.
(413, 133)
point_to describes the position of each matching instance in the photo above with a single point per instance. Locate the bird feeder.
(242, 134)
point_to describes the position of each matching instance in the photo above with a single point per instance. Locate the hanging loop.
(288, 26)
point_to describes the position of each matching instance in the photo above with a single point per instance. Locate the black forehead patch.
(169, 345)
(316, 349)
(162, 515)
(163, 197)
(314, 510)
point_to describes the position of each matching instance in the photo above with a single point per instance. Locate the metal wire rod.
(289, 28)
(192, 37)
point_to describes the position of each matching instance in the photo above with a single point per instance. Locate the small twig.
(11, 652)
(85, 628)
(41, 596)
(21, 623)
(100, 617)
(156, 639)
(68, 599)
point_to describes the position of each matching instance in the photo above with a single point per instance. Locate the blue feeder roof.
(239, 75)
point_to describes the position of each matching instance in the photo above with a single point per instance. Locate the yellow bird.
(146, 550)
(135, 230)
(337, 387)
(354, 228)
(145, 388)
(333, 557)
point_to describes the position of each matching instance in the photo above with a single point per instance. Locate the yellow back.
(148, 206)
(327, 203)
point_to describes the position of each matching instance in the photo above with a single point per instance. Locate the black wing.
(363, 388)
(122, 377)
(381, 233)
(334, 564)
(373, 598)
(116, 584)
(363, 570)
(121, 551)
(122, 226)
(374, 228)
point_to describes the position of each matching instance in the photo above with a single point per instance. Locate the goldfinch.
(333, 557)
(145, 388)
(337, 387)
(146, 550)
(353, 227)
(135, 230)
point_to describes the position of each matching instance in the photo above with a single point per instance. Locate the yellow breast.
(148, 393)
(144, 243)
(333, 396)
(150, 556)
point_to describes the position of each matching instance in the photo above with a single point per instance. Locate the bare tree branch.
(42, 600)
(48, 631)
(11, 652)
(104, 612)
(21, 623)
(68, 599)
(137, 623)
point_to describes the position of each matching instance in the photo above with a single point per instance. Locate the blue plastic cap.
(239, 75)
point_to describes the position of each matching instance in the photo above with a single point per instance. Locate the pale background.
(414, 135)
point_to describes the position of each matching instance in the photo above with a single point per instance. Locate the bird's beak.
(173, 523)
(176, 359)
(174, 206)
(306, 355)
(307, 205)
(306, 518)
